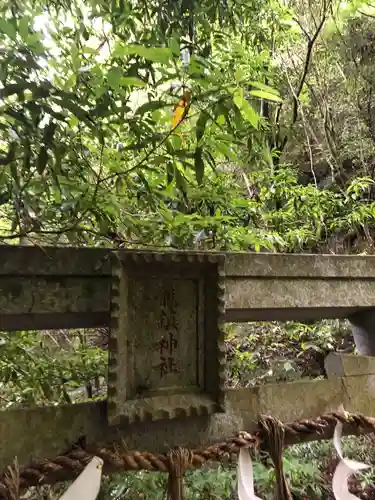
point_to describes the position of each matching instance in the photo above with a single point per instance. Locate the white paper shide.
(87, 484)
(344, 470)
(245, 478)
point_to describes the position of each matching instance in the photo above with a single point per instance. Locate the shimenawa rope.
(271, 436)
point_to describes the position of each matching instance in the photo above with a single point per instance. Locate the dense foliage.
(275, 152)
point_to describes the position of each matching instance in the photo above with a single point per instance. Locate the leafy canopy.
(88, 152)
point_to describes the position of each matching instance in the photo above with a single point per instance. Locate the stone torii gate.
(165, 311)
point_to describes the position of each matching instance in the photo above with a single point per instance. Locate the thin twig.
(304, 128)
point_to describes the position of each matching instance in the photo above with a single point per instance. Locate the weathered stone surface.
(256, 299)
(37, 303)
(20, 295)
(289, 314)
(356, 374)
(302, 287)
(301, 399)
(18, 260)
(247, 264)
(48, 431)
(53, 261)
(172, 366)
(360, 392)
(285, 293)
(344, 365)
(53, 321)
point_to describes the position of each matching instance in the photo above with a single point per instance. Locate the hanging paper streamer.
(87, 484)
(185, 57)
(181, 109)
(344, 470)
(245, 477)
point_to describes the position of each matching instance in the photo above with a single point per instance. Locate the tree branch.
(366, 14)
(310, 47)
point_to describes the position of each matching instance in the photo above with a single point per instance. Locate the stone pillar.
(363, 328)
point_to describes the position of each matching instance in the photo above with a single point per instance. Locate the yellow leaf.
(181, 109)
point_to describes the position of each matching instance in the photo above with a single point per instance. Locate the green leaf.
(210, 159)
(114, 76)
(170, 172)
(174, 46)
(84, 31)
(137, 146)
(23, 27)
(199, 165)
(150, 106)
(266, 88)
(13, 88)
(201, 125)
(70, 82)
(132, 81)
(238, 98)
(239, 75)
(154, 54)
(159, 160)
(247, 111)
(176, 142)
(89, 50)
(180, 180)
(223, 149)
(8, 28)
(80, 113)
(34, 41)
(42, 160)
(265, 95)
(220, 120)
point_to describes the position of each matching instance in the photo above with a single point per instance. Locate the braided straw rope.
(119, 459)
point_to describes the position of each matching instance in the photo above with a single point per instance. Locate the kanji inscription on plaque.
(166, 338)
(168, 347)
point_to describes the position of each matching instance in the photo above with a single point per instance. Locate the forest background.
(272, 150)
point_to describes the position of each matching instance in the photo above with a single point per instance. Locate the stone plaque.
(166, 355)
